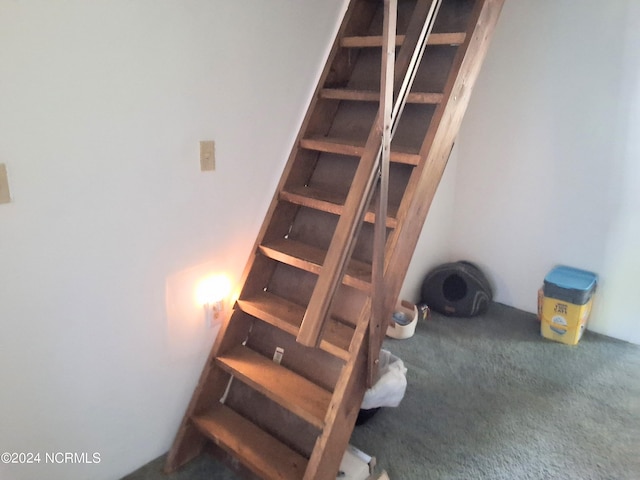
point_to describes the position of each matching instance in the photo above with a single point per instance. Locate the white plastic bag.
(389, 389)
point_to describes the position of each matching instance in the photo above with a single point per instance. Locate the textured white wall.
(548, 152)
(112, 224)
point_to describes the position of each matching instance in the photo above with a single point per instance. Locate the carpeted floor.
(488, 398)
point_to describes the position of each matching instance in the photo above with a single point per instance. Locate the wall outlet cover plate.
(5, 195)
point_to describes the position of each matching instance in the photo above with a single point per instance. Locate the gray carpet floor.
(488, 398)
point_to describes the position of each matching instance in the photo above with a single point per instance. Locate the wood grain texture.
(310, 258)
(288, 316)
(278, 264)
(374, 96)
(297, 394)
(262, 453)
(372, 41)
(330, 202)
(356, 148)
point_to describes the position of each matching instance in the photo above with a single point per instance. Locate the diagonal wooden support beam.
(377, 323)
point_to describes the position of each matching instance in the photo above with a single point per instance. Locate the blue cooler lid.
(570, 284)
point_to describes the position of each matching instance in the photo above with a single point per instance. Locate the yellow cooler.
(566, 304)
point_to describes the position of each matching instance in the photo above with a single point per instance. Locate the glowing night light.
(211, 293)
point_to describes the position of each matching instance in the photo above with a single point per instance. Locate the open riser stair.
(313, 291)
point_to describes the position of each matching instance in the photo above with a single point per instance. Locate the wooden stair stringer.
(437, 146)
(343, 410)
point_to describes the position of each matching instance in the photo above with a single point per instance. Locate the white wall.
(434, 245)
(102, 105)
(112, 224)
(548, 156)
(617, 313)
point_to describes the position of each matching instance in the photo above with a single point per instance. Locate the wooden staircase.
(337, 240)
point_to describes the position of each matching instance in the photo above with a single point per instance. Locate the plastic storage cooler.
(566, 304)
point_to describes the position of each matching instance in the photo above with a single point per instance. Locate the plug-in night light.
(211, 294)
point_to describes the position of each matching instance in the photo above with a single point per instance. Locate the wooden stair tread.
(262, 453)
(310, 258)
(330, 202)
(295, 393)
(355, 148)
(454, 38)
(374, 96)
(287, 316)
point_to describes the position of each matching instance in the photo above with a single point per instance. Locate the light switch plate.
(5, 195)
(207, 156)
